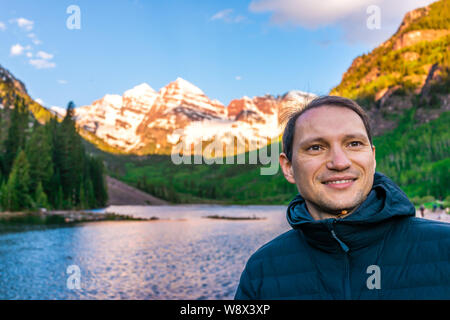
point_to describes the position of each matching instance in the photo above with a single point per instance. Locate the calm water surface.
(183, 256)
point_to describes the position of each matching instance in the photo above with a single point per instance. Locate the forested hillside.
(46, 166)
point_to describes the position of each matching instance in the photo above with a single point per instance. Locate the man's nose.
(338, 160)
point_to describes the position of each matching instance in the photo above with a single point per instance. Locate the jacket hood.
(384, 202)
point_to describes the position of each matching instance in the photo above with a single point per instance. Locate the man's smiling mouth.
(339, 182)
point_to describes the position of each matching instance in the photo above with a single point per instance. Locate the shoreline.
(62, 217)
(217, 217)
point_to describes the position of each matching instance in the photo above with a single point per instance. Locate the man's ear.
(286, 166)
(374, 158)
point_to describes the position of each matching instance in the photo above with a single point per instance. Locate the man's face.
(333, 162)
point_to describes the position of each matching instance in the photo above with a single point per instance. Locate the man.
(355, 234)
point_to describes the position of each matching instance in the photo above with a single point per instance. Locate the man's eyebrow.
(356, 136)
(311, 140)
(346, 137)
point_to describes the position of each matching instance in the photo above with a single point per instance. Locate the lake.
(181, 256)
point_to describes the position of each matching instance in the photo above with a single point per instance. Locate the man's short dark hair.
(289, 131)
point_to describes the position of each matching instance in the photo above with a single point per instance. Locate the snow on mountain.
(182, 94)
(144, 121)
(141, 90)
(58, 111)
(103, 119)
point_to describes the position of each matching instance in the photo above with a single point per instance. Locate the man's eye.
(315, 147)
(355, 143)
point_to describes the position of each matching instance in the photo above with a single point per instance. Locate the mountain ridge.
(412, 66)
(143, 121)
(11, 89)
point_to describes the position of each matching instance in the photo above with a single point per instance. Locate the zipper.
(346, 249)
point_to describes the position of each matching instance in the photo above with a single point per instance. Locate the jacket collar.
(367, 224)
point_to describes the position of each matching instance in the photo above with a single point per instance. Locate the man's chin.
(338, 201)
(338, 208)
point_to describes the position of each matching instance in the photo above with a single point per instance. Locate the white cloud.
(42, 64)
(40, 101)
(17, 50)
(2, 26)
(227, 16)
(23, 23)
(29, 54)
(43, 61)
(222, 14)
(34, 39)
(44, 55)
(349, 15)
(62, 81)
(238, 78)
(239, 19)
(308, 13)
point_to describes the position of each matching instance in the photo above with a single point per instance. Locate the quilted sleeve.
(245, 290)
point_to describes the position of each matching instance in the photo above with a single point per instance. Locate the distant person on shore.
(434, 207)
(422, 210)
(441, 211)
(353, 230)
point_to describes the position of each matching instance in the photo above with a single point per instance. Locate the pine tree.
(53, 193)
(40, 197)
(92, 202)
(18, 186)
(3, 196)
(16, 134)
(39, 155)
(59, 199)
(72, 157)
(98, 181)
(83, 202)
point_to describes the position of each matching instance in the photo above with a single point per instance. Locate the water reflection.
(183, 256)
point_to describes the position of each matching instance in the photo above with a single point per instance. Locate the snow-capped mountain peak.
(140, 90)
(143, 121)
(186, 86)
(180, 87)
(112, 99)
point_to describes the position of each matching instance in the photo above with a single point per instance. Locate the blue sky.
(227, 48)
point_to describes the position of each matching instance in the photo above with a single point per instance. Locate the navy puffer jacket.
(380, 251)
